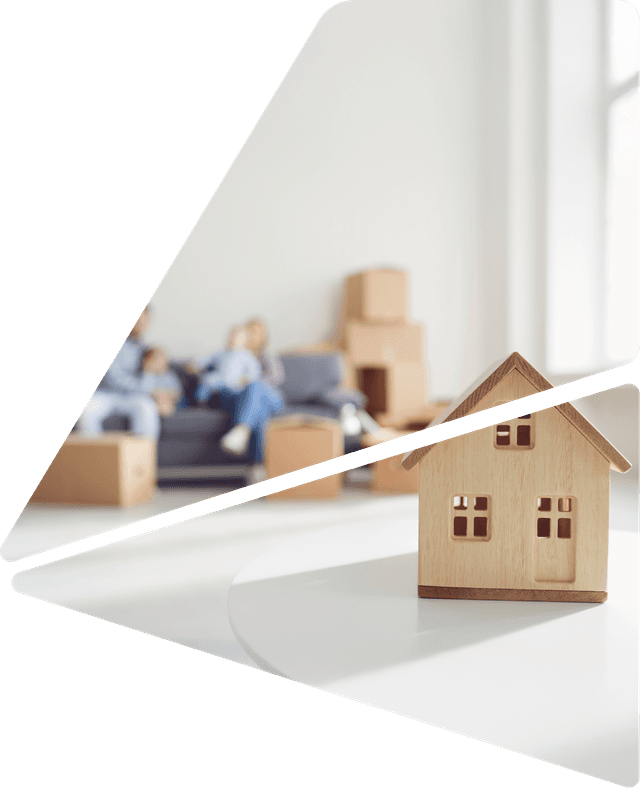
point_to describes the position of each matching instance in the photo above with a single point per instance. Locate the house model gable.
(476, 398)
(519, 510)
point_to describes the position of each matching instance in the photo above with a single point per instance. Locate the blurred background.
(490, 150)
(434, 186)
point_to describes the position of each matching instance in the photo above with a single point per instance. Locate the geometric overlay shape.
(173, 583)
(42, 526)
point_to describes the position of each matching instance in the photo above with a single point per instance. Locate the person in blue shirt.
(245, 381)
(229, 370)
(123, 390)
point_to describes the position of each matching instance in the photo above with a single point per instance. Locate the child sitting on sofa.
(160, 381)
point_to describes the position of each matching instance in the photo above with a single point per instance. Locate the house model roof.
(467, 401)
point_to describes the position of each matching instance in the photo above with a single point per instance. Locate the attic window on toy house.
(515, 434)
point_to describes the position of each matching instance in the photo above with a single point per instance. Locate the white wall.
(615, 414)
(432, 135)
(369, 153)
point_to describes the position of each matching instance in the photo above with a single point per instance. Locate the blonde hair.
(256, 321)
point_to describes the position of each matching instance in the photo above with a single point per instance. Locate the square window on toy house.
(471, 517)
(555, 516)
(516, 434)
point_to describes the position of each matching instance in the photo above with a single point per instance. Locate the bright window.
(621, 225)
(591, 187)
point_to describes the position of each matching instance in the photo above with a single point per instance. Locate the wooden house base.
(511, 594)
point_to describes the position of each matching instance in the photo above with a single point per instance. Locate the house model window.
(471, 517)
(555, 517)
(515, 434)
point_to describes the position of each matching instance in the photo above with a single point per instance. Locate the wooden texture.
(388, 475)
(112, 469)
(294, 443)
(563, 464)
(477, 393)
(511, 594)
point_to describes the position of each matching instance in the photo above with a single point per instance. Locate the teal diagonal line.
(546, 399)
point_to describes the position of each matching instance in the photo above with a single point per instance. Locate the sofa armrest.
(338, 397)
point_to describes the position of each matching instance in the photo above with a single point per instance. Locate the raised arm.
(124, 373)
(210, 360)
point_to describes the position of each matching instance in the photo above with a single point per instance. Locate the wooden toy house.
(516, 511)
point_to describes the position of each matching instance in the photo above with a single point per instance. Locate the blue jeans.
(140, 409)
(253, 406)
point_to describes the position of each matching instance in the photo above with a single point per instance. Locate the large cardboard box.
(367, 344)
(416, 420)
(388, 475)
(394, 389)
(112, 469)
(378, 295)
(297, 442)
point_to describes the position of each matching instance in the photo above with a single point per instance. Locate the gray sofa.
(189, 444)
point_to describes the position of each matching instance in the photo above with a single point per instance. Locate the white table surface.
(339, 610)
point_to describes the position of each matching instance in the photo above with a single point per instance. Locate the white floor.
(174, 583)
(339, 610)
(43, 526)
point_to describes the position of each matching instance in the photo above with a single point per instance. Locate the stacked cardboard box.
(384, 350)
(296, 442)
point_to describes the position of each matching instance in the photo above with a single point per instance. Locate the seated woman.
(245, 379)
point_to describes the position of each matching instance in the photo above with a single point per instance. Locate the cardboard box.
(297, 442)
(314, 349)
(367, 344)
(394, 389)
(379, 295)
(418, 420)
(388, 475)
(112, 469)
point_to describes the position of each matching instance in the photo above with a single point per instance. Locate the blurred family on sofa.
(243, 379)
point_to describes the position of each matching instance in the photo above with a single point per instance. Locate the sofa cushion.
(188, 381)
(183, 452)
(307, 377)
(201, 422)
(337, 398)
(312, 409)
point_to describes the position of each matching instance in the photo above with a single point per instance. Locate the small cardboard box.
(112, 469)
(297, 442)
(388, 475)
(379, 295)
(367, 344)
(394, 389)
